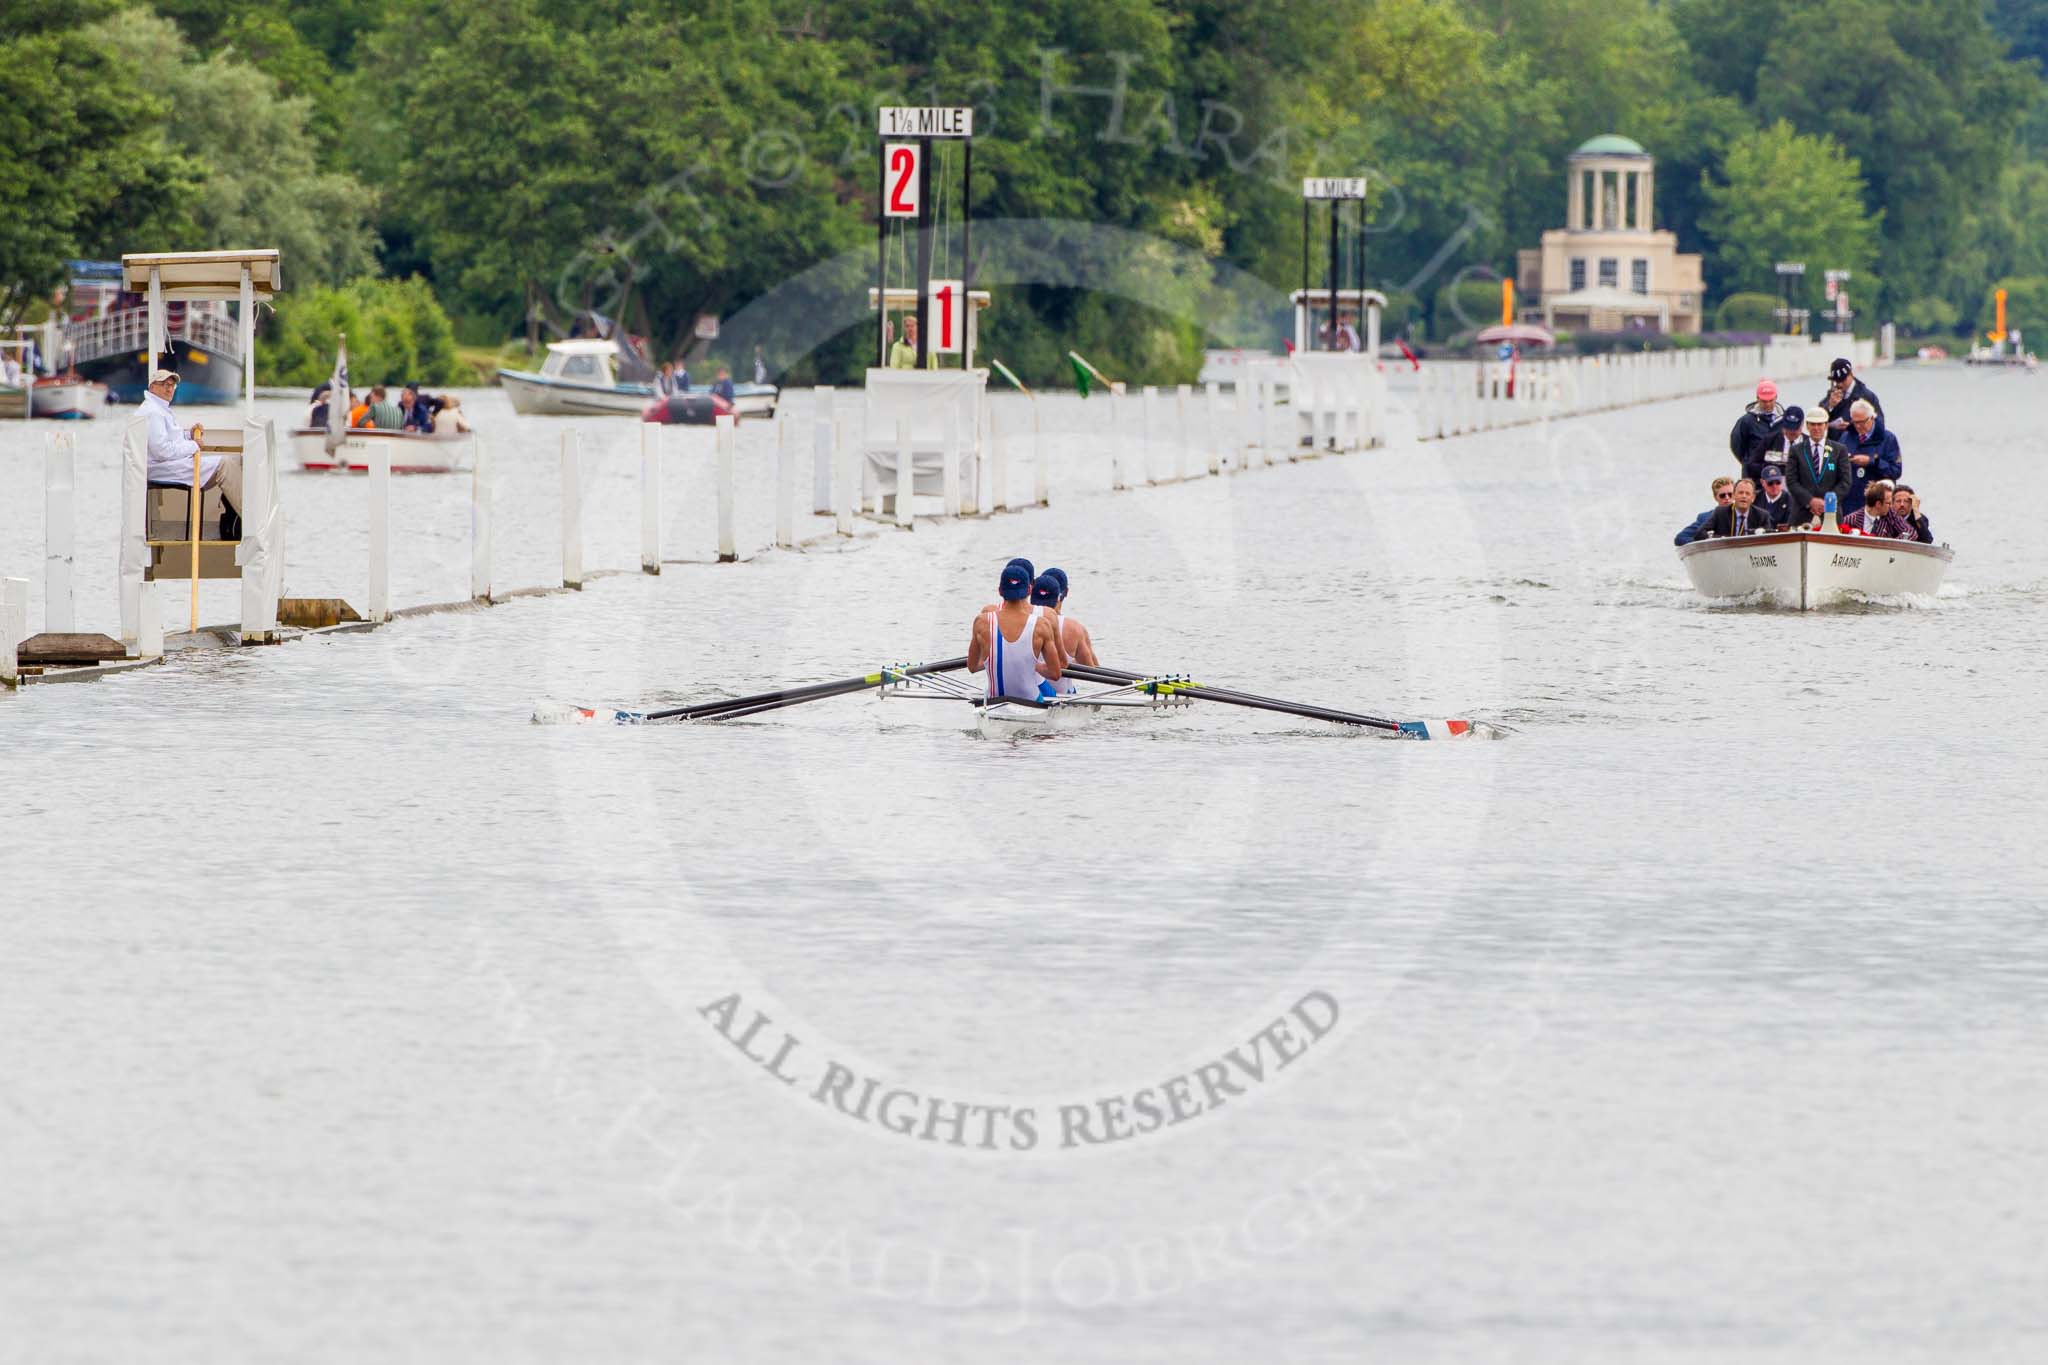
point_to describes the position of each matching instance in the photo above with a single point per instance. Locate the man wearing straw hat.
(171, 450)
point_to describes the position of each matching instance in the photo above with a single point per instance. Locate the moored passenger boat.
(69, 398)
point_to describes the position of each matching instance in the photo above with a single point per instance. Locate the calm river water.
(348, 1016)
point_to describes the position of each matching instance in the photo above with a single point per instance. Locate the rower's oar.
(1414, 729)
(747, 706)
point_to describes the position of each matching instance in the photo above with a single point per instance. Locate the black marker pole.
(924, 246)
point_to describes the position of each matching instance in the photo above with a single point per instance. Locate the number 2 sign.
(900, 179)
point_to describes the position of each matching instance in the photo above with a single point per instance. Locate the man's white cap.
(159, 376)
(1819, 415)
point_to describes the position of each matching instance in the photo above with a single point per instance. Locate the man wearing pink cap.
(1755, 429)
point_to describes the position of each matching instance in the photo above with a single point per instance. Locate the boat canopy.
(588, 360)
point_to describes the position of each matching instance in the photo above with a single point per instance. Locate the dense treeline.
(533, 157)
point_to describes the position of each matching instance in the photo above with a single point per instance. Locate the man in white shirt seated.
(171, 449)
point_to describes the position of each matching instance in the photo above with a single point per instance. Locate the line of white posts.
(1281, 409)
(1457, 397)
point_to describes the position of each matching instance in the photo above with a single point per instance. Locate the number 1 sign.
(949, 316)
(899, 179)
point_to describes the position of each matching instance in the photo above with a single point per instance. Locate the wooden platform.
(69, 648)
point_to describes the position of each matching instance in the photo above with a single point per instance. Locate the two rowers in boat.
(1026, 641)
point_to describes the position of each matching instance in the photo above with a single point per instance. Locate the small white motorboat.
(69, 399)
(412, 452)
(1802, 570)
(581, 378)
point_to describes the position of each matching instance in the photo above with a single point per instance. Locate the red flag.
(1410, 354)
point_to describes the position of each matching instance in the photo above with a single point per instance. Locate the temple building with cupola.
(1608, 269)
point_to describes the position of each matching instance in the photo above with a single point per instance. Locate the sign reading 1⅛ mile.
(905, 121)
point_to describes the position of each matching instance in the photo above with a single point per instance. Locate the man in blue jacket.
(1724, 488)
(1872, 450)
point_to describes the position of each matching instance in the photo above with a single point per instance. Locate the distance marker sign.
(1339, 187)
(932, 121)
(948, 316)
(900, 184)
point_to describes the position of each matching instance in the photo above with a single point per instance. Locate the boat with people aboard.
(411, 452)
(1821, 514)
(597, 377)
(1808, 569)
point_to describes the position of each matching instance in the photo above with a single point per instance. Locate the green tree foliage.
(263, 184)
(82, 148)
(396, 333)
(1920, 92)
(537, 157)
(2026, 304)
(1746, 313)
(1466, 306)
(1787, 196)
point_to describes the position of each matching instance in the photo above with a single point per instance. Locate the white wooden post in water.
(728, 541)
(1116, 437)
(650, 497)
(1180, 404)
(1041, 476)
(836, 503)
(59, 522)
(480, 494)
(992, 459)
(785, 487)
(949, 462)
(572, 511)
(1213, 393)
(906, 475)
(13, 615)
(378, 608)
(1150, 465)
(821, 452)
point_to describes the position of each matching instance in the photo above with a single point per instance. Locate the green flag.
(1080, 376)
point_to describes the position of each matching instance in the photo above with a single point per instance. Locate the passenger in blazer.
(1818, 467)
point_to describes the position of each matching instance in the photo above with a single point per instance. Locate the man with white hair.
(171, 449)
(1872, 451)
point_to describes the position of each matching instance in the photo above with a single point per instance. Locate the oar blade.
(568, 713)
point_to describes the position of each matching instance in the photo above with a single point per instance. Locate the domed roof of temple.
(1611, 144)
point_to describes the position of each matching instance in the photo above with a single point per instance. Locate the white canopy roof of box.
(907, 298)
(1344, 296)
(202, 274)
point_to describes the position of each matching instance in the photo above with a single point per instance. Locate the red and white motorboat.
(412, 452)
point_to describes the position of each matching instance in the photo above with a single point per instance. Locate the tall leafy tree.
(1785, 195)
(262, 182)
(83, 155)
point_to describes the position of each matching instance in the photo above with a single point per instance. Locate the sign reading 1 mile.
(1325, 187)
(904, 121)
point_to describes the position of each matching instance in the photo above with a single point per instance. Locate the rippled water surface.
(349, 1016)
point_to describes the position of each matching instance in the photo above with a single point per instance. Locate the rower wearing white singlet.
(1075, 642)
(1018, 644)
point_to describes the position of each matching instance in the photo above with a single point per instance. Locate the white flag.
(338, 402)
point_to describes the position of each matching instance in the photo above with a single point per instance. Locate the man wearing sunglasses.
(1724, 489)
